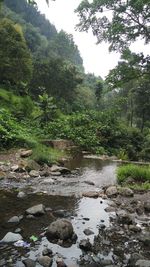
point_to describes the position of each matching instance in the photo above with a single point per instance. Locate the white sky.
(96, 58)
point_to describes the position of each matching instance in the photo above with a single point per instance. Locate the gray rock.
(60, 169)
(29, 263)
(143, 263)
(21, 194)
(47, 252)
(91, 194)
(45, 261)
(48, 181)
(88, 232)
(85, 245)
(134, 228)
(134, 258)
(36, 210)
(11, 237)
(60, 229)
(26, 153)
(124, 218)
(111, 191)
(126, 192)
(34, 173)
(147, 205)
(14, 219)
(18, 230)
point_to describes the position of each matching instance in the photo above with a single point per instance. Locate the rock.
(36, 210)
(26, 153)
(18, 230)
(47, 252)
(134, 228)
(14, 219)
(15, 168)
(89, 182)
(62, 170)
(32, 165)
(126, 192)
(134, 258)
(110, 209)
(45, 261)
(59, 213)
(30, 216)
(60, 229)
(29, 263)
(60, 263)
(11, 237)
(91, 194)
(21, 194)
(85, 245)
(2, 175)
(145, 238)
(124, 218)
(34, 173)
(88, 232)
(111, 191)
(147, 205)
(143, 263)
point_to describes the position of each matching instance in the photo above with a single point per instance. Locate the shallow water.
(64, 194)
(99, 172)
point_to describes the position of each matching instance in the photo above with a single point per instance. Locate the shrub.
(42, 154)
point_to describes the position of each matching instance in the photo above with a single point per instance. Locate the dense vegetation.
(44, 92)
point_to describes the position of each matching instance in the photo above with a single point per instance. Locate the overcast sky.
(96, 58)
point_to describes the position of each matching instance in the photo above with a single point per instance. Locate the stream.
(62, 199)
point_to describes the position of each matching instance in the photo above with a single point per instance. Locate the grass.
(42, 154)
(139, 174)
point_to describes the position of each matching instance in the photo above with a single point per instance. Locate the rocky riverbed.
(60, 216)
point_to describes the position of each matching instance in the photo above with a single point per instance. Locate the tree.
(116, 21)
(131, 76)
(16, 62)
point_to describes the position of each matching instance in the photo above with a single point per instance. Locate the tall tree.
(117, 22)
(16, 62)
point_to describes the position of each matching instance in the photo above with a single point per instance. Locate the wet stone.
(14, 219)
(85, 245)
(29, 263)
(36, 210)
(47, 252)
(45, 261)
(88, 232)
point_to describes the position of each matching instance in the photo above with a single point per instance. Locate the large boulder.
(26, 153)
(60, 229)
(126, 192)
(36, 210)
(62, 170)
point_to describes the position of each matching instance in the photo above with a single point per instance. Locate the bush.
(42, 154)
(139, 174)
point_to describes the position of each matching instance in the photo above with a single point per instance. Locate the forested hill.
(40, 34)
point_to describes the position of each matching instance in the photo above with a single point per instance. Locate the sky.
(96, 58)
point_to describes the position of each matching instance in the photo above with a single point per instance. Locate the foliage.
(118, 22)
(20, 107)
(42, 154)
(137, 173)
(16, 63)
